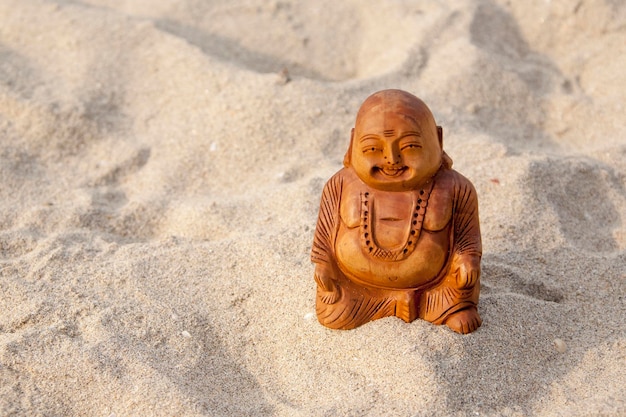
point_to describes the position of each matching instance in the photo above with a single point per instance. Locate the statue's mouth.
(392, 171)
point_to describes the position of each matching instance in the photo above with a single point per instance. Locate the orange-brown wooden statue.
(397, 232)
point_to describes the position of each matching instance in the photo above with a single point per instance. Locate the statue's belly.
(417, 270)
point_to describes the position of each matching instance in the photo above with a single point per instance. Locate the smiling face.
(395, 145)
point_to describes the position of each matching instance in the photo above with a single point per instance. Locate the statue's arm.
(467, 241)
(322, 252)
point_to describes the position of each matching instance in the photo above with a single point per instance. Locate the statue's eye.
(370, 149)
(411, 146)
(410, 140)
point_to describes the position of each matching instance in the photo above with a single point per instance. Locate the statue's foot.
(406, 308)
(464, 321)
(330, 297)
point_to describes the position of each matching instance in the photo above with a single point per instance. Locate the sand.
(161, 165)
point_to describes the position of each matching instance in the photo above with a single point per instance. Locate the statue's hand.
(468, 271)
(329, 290)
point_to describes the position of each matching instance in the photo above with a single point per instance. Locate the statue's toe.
(464, 321)
(330, 297)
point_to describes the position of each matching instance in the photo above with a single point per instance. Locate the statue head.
(395, 144)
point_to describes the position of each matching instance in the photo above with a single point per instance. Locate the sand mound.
(161, 164)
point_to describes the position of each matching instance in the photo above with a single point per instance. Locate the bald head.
(399, 102)
(395, 144)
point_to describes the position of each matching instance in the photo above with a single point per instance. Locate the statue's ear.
(446, 161)
(347, 159)
(440, 135)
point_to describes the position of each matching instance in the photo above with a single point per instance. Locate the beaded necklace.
(368, 242)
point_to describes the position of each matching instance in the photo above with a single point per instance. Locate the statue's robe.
(434, 302)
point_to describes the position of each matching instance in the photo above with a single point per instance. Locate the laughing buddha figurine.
(397, 232)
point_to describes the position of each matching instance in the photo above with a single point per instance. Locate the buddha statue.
(397, 232)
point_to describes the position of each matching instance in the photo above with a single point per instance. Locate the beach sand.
(161, 167)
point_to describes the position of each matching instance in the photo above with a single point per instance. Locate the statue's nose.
(392, 156)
